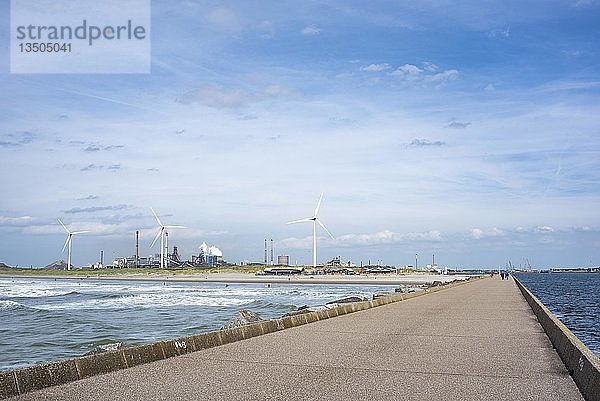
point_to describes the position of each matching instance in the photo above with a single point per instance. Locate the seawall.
(21, 381)
(583, 365)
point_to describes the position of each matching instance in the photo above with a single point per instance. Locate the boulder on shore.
(300, 311)
(347, 300)
(242, 318)
(106, 348)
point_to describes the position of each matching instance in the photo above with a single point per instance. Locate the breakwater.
(46, 320)
(580, 362)
(24, 380)
(574, 298)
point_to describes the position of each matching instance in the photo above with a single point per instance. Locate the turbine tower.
(69, 241)
(161, 234)
(315, 220)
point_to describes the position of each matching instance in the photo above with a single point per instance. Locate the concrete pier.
(477, 341)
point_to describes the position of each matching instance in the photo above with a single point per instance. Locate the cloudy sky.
(466, 129)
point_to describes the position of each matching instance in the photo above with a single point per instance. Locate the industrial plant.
(210, 256)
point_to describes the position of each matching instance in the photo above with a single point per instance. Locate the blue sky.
(466, 129)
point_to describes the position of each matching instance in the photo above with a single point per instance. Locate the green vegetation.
(108, 272)
(112, 272)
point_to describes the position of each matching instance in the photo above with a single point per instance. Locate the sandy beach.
(385, 279)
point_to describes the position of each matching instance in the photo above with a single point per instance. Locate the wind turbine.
(161, 234)
(315, 220)
(69, 241)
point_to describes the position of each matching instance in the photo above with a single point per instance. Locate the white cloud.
(213, 96)
(499, 33)
(458, 124)
(428, 74)
(408, 72)
(15, 221)
(375, 67)
(295, 243)
(369, 239)
(429, 66)
(278, 90)
(478, 233)
(387, 237)
(311, 30)
(444, 76)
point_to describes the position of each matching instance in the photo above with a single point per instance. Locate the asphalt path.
(478, 341)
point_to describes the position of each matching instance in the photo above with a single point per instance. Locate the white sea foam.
(33, 292)
(7, 304)
(143, 301)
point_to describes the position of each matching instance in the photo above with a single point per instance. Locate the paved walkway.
(478, 341)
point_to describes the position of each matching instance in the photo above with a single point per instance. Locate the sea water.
(574, 298)
(43, 320)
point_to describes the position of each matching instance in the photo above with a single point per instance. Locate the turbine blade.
(318, 205)
(299, 221)
(155, 238)
(66, 242)
(174, 226)
(324, 228)
(80, 232)
(156, 216)
(65, 227)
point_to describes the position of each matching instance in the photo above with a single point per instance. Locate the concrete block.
(8, 385)
(295, 321)
(63, 372)
(100, 363)
(224, 336)
(168, 348)
(569, 353)
(233, 335)
(301, 319)
(584, 373)
(345, 309)
(311, 317)
(254, 330)
(592, 392)
(143, 354)
(269, 326)
(219, 338)
(185, 345)
(287, 322)
(581, 363)
(33, 378)
(207, 340)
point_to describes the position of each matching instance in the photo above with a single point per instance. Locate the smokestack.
(265, 251)
(102, 258)
(433, 260)
(271, 251)
(416, 261)
(137, 248)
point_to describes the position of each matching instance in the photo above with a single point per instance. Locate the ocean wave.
(145, 301)
(8, 304)
(266, 304)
